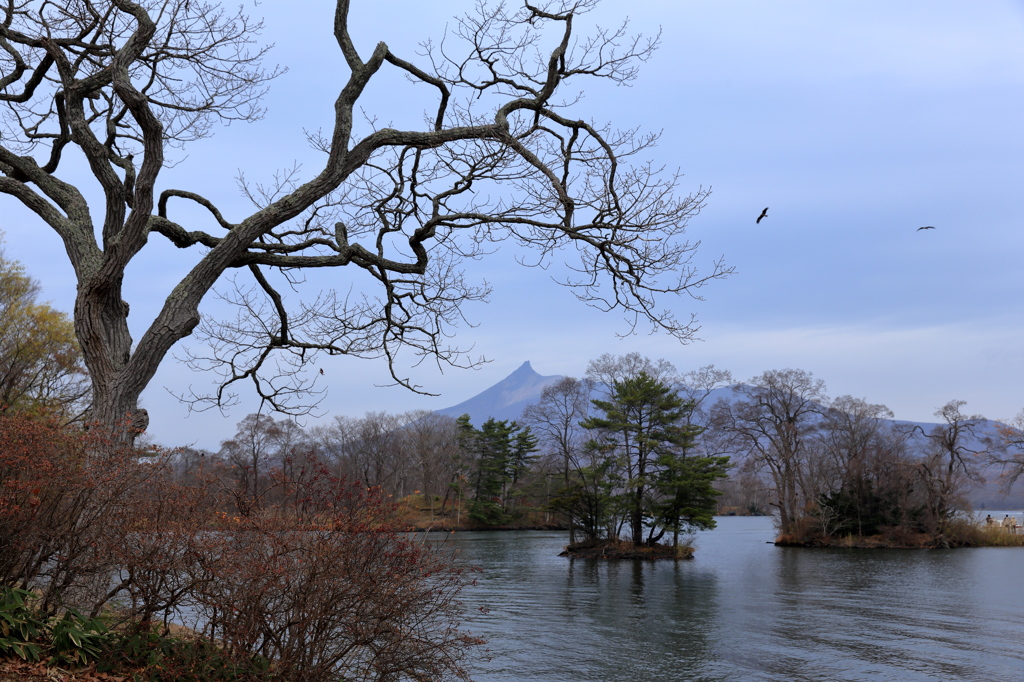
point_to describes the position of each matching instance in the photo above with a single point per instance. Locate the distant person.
(1008, 522)
(989, 520)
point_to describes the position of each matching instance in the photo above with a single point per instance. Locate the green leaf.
(27, 651)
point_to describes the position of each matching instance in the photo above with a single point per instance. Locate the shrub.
(327, 588)
(20, 626)
(313, 577)
(160, 658)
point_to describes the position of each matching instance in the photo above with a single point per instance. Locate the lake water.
(744, 609)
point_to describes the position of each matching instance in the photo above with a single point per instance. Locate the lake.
(744, 609)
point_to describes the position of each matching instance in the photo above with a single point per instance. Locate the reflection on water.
(744, 609)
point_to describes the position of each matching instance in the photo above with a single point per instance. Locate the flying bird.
(321, 370)
(926, 227)
(763, 214)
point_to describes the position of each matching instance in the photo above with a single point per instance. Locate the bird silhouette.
(926, 227)
(321, 370)
(763, 214)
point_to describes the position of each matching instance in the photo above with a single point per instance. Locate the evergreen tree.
(687, 497)
(646, 436)
(501, 451)
(521, 457)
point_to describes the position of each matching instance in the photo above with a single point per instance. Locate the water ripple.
(744, 610)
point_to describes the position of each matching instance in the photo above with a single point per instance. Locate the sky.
(855, 122)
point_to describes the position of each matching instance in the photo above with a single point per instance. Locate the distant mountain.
(505, 399)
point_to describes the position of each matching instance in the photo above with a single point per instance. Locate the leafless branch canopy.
(504, 156)
(1008, 452)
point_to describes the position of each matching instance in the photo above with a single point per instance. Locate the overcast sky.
(856, 122)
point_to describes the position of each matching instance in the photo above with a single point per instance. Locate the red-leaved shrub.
(314, 575)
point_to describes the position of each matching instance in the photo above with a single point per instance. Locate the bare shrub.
(325, 586)
(59, 509)
(318, 580)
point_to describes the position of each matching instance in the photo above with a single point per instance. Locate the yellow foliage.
(41, 368)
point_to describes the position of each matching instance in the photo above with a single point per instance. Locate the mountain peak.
(525, 370)
(505, 399)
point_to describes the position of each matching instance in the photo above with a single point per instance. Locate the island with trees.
(640, 473)
(638, 452)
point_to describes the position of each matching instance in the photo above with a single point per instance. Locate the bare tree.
(696, 387)
(1008, 451)
(432, 446)
(555, 419)
(951, 461)
(745, 491)
(373, 449)
(335, 441)
(865, 475)
(851, 429)
(188, 463)
(378, 456)
(773, 425)
(505, 155)
(609, 368)
(250, 454)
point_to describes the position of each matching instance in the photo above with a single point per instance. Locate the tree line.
(636, 449)
(629, 463)
(827, 468)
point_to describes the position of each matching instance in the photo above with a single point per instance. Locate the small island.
(962, 529)
(634, 484)
(619, 549)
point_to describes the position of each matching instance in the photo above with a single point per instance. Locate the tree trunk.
(101, 325)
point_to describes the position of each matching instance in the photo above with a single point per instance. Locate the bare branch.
(505, 154)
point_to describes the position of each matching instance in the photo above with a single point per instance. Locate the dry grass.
(969, 534)
(959, 533)
(1001, 538)
(414, 512)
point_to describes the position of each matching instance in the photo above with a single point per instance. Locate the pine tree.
(644, 432)
(501, 452)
